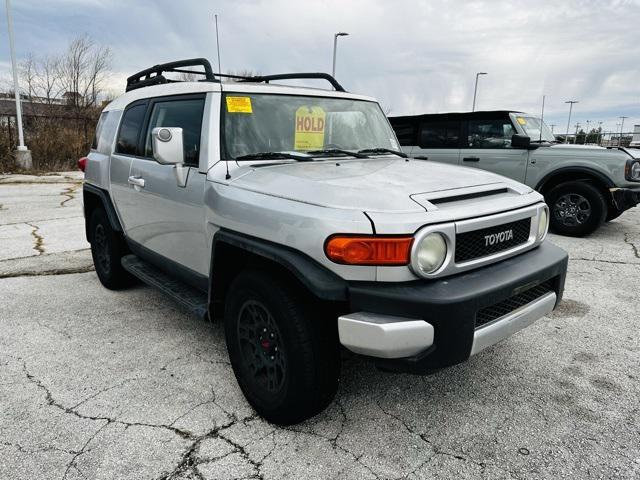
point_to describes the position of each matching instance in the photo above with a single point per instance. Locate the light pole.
(475, 90)
(586, 135)
(621, 130)
(570, 102)
(335, 46)
(23, 156)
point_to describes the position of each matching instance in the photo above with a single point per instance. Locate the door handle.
(471, 159)
(421, 157)
(136, 181)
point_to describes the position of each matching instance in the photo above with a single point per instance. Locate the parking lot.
(103, 384)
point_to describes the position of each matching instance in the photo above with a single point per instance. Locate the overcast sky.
(414, 56)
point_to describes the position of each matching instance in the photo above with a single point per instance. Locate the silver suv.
(289, 214)
(584, 186)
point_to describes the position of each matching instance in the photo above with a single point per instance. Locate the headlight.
(543, 223)
(634, 173)
(431, 252)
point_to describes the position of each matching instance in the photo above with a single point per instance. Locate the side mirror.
(520, 141)
(168, 150)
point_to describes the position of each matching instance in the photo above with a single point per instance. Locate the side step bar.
(192, 299)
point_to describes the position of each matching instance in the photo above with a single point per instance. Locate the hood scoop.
(455, 197)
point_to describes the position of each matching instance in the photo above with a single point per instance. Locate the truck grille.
(489, 314)
(487, 241)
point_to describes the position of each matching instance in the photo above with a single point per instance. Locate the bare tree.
(82, 70)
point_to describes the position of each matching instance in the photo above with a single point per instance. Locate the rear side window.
(130, 130)
(439, 134)
(490, 133)
(186, 114)
(105, 132)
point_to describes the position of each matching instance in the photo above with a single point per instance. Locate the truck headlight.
(431, 252)
(543, 223)
(633, 170)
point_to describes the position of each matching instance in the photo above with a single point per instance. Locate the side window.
(405, 131)
(186, 114)
(490, 133)
(94, 144)
(130, 130)
(107, 130)
(439, 134)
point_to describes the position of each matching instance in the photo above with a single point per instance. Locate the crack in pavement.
(38, 239)
(633, 245)
(70, 193)
(49, 272)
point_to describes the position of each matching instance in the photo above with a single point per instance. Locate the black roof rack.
(154, 75)
(288, 76)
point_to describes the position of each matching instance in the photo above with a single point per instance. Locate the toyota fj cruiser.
(584, 186)
(288, 213)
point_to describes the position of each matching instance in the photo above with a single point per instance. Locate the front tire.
(107, 249)
(577, 208)
(285, 357)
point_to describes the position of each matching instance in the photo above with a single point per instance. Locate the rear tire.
(577, 208)
(285, 357)
(107, 249)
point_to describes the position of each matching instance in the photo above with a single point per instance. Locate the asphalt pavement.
(124, 385)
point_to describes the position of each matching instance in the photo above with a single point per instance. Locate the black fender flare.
(107, 204)
(577, 170)
(319, 280)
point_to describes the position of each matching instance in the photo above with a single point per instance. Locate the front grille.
(489, 314)
(487, 241)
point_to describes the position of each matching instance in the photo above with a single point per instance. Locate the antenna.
(542, 118)
(218, 44)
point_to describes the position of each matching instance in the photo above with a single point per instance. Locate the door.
(439, 141)
(165, 218)
(488, 146)
(126, 149)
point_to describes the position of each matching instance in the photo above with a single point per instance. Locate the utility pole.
(621, 130)
(23, 155)
(570, 102)
(475, 90)
(575, 139)
(599, 133)
(552, 127)
(335, 47)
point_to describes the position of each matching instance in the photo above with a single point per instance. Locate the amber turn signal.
(369, 249)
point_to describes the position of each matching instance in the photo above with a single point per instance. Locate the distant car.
(584, 186)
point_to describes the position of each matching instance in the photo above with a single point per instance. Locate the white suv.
(290, 214)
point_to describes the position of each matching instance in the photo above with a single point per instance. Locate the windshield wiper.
(273, 156)
(376, 151)
(337, 151)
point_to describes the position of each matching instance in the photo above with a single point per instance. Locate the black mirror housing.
(521, 141)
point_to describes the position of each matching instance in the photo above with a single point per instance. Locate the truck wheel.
(285, 358)
(577, 208)
(107, 249)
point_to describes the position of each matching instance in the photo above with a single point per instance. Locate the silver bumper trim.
(513, 322)
(384, 336)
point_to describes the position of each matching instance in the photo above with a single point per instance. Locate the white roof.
(179, 88)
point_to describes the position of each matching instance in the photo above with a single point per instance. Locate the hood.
(375, 184)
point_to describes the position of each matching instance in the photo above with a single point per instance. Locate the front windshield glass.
(259, 123)
(535, 128)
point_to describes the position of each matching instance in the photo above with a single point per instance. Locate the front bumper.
(625, 198)
(433, 322)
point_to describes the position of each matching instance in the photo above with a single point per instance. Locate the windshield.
(535, 128)
(263, 123)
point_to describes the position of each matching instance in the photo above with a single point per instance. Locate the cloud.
(414, 56)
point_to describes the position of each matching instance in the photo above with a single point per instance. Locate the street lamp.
(335, 46)
(570, 102)
(621, 130)
(23, 156)
(586, 135)
(475, 90)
